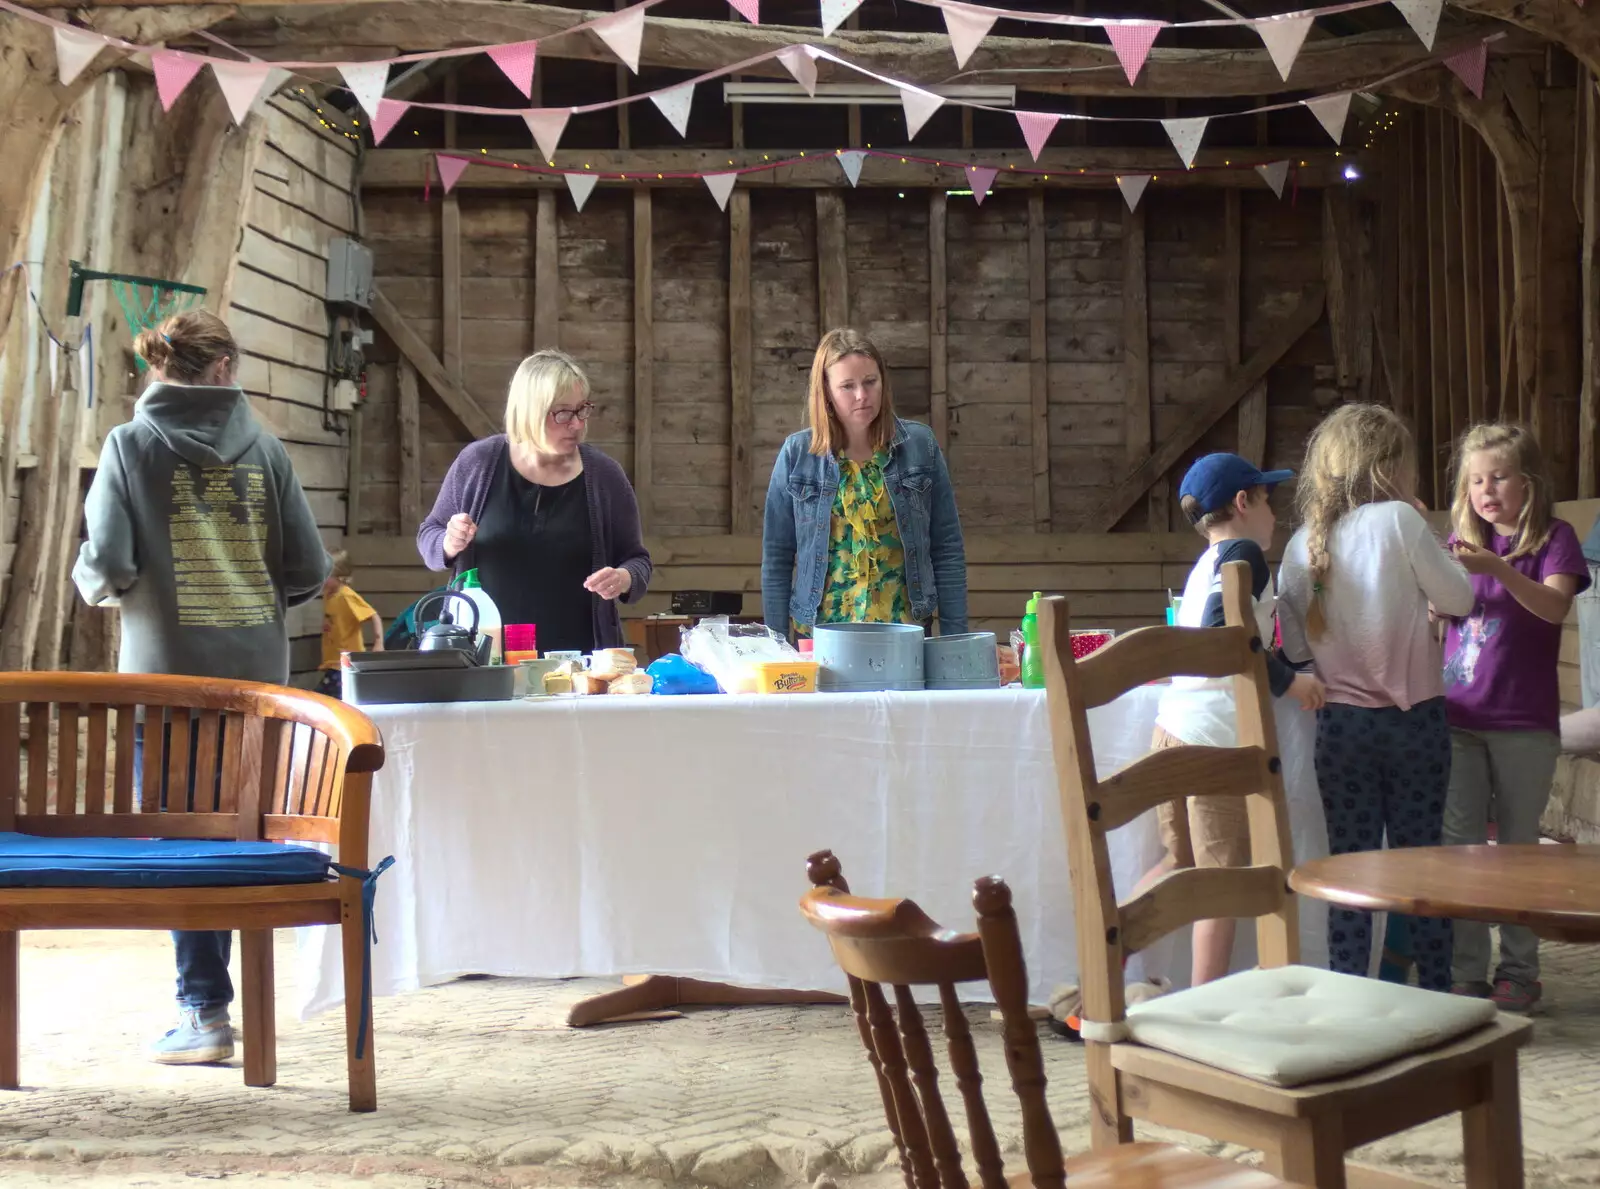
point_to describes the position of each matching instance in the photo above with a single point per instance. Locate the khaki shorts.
(1215, 831)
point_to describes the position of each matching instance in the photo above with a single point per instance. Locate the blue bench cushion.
(29, 861)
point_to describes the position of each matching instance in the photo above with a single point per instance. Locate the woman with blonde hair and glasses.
(549, 522)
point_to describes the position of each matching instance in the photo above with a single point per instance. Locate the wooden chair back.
(1091, 807)
(220, 759)
(894, 943)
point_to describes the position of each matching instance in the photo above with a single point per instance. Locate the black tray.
(379, 687)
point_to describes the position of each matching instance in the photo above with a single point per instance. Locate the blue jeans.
(203, 981)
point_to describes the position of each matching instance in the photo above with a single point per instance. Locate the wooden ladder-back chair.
(231, 760)
(894, 942)
(1301, 1063)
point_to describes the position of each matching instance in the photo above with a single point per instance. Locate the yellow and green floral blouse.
(866, 580)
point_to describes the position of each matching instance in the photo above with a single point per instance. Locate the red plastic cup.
(1088, 641)
(521, 637)
(806, 644)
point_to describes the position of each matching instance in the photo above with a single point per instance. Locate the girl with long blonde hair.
(1501, 689)
(1355, 590)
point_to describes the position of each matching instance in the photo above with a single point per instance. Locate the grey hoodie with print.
(199, 529)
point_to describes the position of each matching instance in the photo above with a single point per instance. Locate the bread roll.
(590, 683)
(557, 682)
(633, 683)
(612, 663)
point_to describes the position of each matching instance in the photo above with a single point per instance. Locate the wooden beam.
(36, 522)
(1209, 409)
(1136, 434)
(409, 414)
(741, 365)
(833, 263)
(1038, 362)
(1401, 166)
(546, 274)
(1433, 452)
(1589, 397)
(938, 318)
(1559, 351)
(456, 398)
(450, 284)
(1472, 275)
(1253, 406)
(624, 110)
(644, 354)
(355, 473)
(1455, 313)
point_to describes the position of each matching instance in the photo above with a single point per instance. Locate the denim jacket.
(799, 516)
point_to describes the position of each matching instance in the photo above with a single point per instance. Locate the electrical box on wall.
(349, 273)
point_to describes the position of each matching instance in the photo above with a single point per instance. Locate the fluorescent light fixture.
(862, 94)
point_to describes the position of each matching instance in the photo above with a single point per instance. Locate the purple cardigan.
(613, 522)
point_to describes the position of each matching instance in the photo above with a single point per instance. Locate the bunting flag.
(580, 186)
(1036, 129)
(802, 65)
(836, 13)
(1422, 16)
(241, 83)
(1185, 135)
(919, 105)
(622, 32)
(674, 103)
(750, 10)
(547, 124)
(980, 178)
(74, 51)
(389, 113)
(450, 170)
(276, 77)
(1274, 173)
(850, 161)
(517, 60)
(1331, 112)
(1132, 41)
(1283, 37)
(967, 27)
(1470, 66)
(367, 82)
(1132, 186)
(720, 185)
(174, 72)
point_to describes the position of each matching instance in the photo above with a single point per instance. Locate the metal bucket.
(965, 661)
(864, 657)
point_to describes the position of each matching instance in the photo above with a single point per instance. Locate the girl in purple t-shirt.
(1501, 691)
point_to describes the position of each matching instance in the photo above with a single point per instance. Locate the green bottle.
(1032, 658)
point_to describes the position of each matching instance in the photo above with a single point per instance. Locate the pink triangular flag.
(1185, 135)
(1274, 173)
(836, 13)
(1283, 37)
(674, 103)
(450, 170)
(802, 65)
(622, 32)
(720, 185)
(174, 72)
(517, 60)
(919, 105)
(1331, 112)
(1132, 41)
(367, 82)
(1132, 187)
(389, 113)
(75, 49)
(547, 124)
(967, 27)
(1470, 65)
(1036, 129)
(850, 161)
(580, 186)
(1422, 16)
(980, 178)
(750, 10)
(240, 82)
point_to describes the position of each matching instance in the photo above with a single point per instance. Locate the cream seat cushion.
(1297, 1024)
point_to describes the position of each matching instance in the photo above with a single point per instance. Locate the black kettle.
(446, 635)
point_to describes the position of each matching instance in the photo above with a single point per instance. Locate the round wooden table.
(1553, 890)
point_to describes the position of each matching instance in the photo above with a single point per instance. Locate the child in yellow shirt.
(343, 614)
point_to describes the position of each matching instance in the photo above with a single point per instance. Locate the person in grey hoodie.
(199, 530)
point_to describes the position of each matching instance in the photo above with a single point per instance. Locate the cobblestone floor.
(480, 1084)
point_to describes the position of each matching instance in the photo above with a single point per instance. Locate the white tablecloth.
(610, 836)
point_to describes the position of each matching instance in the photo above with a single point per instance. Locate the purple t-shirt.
(1500, 661)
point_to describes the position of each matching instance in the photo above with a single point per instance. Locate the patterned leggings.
(1384, 769)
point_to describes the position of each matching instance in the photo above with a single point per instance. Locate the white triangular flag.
(1422, 16)
(367, 82)
(276, 77)
(850, 161)
(547, 124)
(919, 105)
(1132, 186)
(1274, 173)
(580, 186)
(241, 82)
(720, 185)
(1331, 112)
(1185, 135)
(622, 32)
(75, 49)
(836, 13)
(967, 27)
(674, 103)
(1283, 37)
(802, 65)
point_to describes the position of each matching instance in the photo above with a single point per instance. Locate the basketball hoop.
(145, 301)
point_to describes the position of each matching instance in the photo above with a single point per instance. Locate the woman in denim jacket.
(861, 523)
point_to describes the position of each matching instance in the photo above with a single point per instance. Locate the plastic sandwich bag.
(730, 651)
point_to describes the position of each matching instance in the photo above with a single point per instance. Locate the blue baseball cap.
(1215, 479)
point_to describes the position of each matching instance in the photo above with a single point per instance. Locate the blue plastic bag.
(674, 675)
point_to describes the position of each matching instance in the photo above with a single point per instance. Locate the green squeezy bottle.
(1032, 658)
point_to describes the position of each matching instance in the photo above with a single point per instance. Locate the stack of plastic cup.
(521, 643)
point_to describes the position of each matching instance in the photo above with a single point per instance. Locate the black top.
(1280, 674)
(533, 553)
